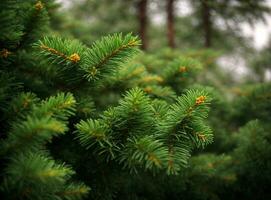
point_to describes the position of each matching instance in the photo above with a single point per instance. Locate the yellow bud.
(38, 6)
(201, 137)
(200, 100)
(148, 89)
(182, 69)
(74, 58)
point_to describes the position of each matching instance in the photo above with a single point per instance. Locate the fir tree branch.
(105, 55)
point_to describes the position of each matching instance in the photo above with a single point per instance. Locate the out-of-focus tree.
(261, 65)
(229, 12)
(170, 23)
(212, 23)
(142, 19)
(87, 20)
(206, 22)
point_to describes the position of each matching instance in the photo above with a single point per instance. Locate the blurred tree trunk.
(142, 18)
(170, 24)
(207, 23)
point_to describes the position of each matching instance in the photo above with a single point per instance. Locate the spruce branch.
(96, 135)
(105, 55)
(150, 134)
(177, 157)
(40, 124)
(37, 21)
(61, 51)
(35, 176)
(147, 152)
(60, 106)
(94, 63)
(74, 191)
(183, 128)
(34, 132)
(11, 28)
(31, 173)
(180, 67)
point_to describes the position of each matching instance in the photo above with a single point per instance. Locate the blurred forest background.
(237, 31)
(190, 49)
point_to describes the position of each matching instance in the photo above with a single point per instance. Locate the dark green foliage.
(149, 130)
(29, 172)
(35, 21)
(135, 135)
(252, 161)
(104, 121)
(11, 30)
(109, 52)
(74, 60)
(179, 69)
(254, 104)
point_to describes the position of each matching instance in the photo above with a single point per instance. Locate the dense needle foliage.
(108, 121)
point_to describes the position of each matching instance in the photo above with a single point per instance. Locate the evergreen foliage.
(93, 63)
(149, 134)
(251, 156)
(108, 121)
(30, 172)
(149, 130)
